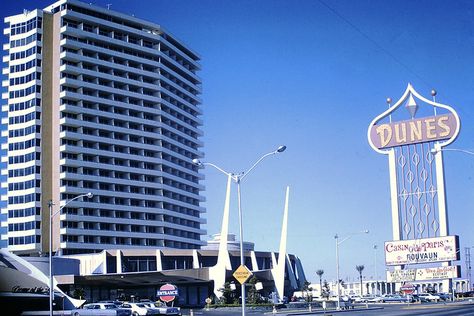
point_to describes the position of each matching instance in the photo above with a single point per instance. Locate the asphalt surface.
(436, 309)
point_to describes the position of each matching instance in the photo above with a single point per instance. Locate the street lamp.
(337, 263)
(434, 151)
(51, 215)
(375, 267)
(237, 178)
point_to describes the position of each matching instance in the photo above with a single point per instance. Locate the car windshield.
(110, 306)
(141, 305)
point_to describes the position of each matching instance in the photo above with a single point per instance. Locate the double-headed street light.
(338, 242)
(51, 215)
(237, 178)
(434, 151)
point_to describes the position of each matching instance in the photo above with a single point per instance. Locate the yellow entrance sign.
(242, 274)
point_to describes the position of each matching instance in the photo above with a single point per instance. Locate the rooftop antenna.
(108, 5)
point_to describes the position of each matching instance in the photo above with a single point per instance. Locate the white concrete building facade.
(102, 102)
(382, 287)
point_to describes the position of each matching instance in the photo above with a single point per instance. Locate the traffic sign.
(242, 274)
(407, 288)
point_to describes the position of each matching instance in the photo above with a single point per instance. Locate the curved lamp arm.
(240, 176)
(88, 194)
(436, 150)
(199, 163)
(347, 237)
(278, 150)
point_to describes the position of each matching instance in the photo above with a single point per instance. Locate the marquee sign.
(167, 293)
(428, 274)
(413, 131)
(422, 250)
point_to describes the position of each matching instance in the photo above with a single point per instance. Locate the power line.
(375, 43)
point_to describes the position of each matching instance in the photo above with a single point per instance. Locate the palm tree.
(360, 269)
(320, 273)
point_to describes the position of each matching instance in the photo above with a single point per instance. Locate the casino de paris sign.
(412, 133)
(422, 250)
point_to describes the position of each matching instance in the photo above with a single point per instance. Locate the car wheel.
(76, 314)
(135, 314)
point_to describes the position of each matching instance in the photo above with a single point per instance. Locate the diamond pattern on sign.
(402, 161)
(432, 191)
(407, 229)
(435, 225)
(424, 175)
(416, 159)
(404, 194)
(429, 157)
(421, 228)
(418, 193)
(426, 209)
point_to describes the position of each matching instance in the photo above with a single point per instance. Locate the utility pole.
(468, 266)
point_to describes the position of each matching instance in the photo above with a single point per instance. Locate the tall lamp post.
(375, 267)
(436, 150)
(51, 215)
(237, 178)
(338, 242)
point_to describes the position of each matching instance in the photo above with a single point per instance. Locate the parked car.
(369, 299)
(162, 309)
(396, 298)
(139, 309)
(116, 303)
(427, 297)
(103, 309)
(374, 299)
(444, 296)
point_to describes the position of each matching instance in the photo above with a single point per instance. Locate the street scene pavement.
(450, 308)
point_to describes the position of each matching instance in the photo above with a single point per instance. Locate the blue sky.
(312, 75)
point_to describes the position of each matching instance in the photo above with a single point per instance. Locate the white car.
(103, 309)
(139, 309)
(162, 309)
(374, 299)
(429, 297)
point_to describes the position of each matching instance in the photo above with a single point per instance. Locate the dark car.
(444, 296)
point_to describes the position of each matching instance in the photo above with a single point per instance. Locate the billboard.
(424, 250)
(413, 131)
(427, 274)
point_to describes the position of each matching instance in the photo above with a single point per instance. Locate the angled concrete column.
(159, 264)
(278, 272)
(195, 259)
(218, 272)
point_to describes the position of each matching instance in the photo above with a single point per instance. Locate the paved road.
(439, 309)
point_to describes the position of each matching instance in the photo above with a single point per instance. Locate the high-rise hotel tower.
(102, 102)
